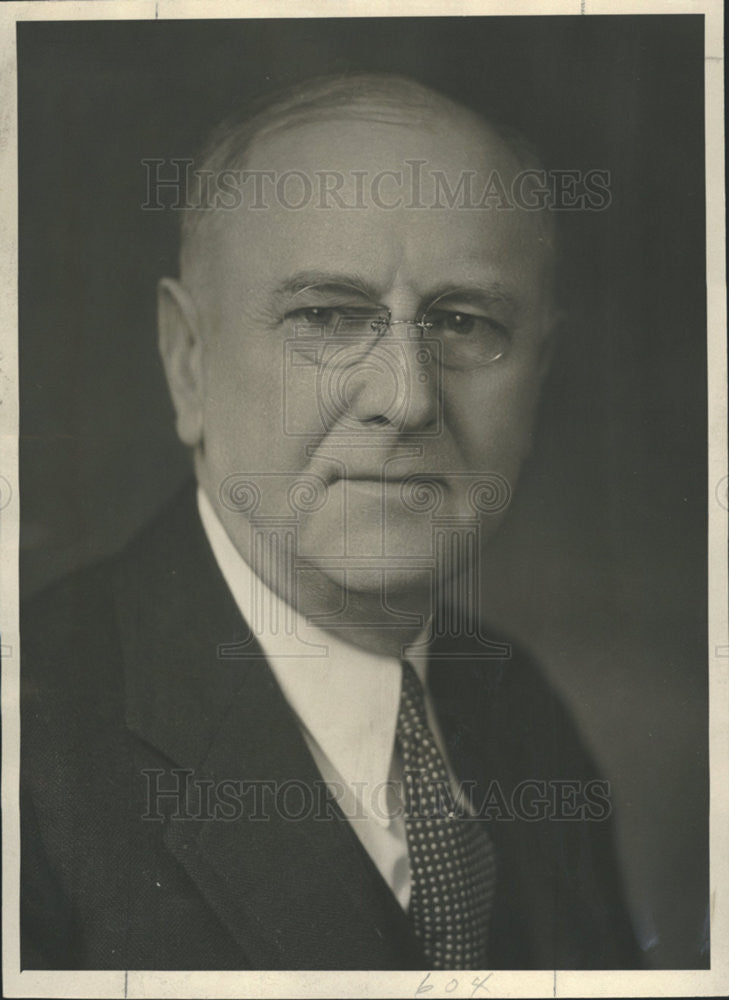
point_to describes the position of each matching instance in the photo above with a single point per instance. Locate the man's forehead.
(425, 245)
(419, 255)
(378, 196)
(378, 142)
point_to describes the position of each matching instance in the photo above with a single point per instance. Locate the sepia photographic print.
(363, 498)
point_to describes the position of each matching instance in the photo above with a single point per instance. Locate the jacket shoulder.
(76, 616)
(53, 618)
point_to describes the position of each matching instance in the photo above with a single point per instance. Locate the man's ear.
(181, 349)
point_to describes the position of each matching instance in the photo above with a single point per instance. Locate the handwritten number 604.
(452, 985)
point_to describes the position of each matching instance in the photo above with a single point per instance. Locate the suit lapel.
(293, 892)
(479, 718)
(301, 888)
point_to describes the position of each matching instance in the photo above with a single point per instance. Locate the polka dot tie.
(452, 862)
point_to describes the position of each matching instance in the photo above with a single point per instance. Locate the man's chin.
(398, 541)
(370, 583)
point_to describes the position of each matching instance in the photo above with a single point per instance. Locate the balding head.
(366, 98)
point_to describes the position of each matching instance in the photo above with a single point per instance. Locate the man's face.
(302, 393)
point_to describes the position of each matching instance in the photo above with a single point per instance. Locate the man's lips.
(375, 477)
(367, 468)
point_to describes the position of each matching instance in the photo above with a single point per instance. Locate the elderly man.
(273, 733)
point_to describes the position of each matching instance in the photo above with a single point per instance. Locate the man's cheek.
(496, 437)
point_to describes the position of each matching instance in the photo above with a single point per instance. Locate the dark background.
(601, 568)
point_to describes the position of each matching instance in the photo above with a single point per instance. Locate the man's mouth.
(415, 478)
(360, 469)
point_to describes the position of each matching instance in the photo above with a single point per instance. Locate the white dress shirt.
(346, 700)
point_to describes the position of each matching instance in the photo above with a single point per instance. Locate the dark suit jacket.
(121, 675)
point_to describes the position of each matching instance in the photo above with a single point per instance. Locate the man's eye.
(462, 323)
(465, 324)
(467, 340)
(337, 320)
(314, 316)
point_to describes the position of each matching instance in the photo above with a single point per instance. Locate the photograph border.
(714, 981)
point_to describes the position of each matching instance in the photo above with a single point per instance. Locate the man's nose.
(397, 381)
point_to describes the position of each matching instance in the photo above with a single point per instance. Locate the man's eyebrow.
(325, 281)
(333, 283)
(477, 295)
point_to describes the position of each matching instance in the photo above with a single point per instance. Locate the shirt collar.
(346, 698)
